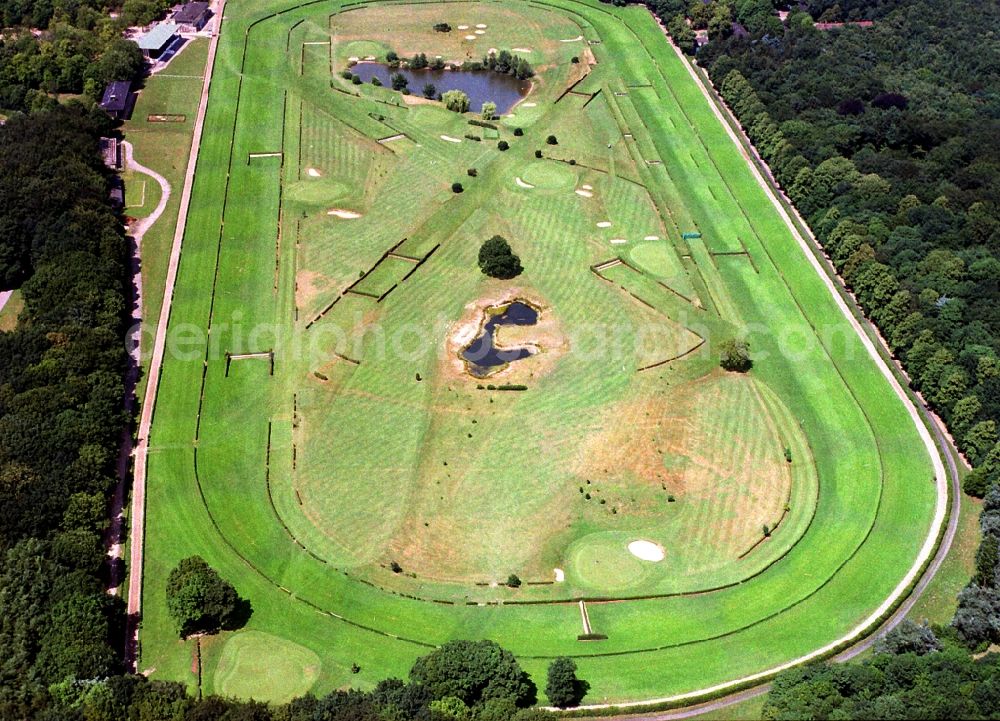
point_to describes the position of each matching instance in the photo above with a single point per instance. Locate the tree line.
(885, 138)
(61, 412)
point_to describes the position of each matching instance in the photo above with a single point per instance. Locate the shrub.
(442, 28)
(503, 145)
(575, 60)
(788, 454)
(551, 140)
(457, 188)
(488, 111)
(572, 161)
(430, 91)
(512, 387)
(513, 581)
(356, 80)
(376, 82)
(735, 355)
(399, 81)
(518, 132)
(497, 260)
(538, 153)
(908, 637)
(391, 57)
(395, 567)
(456, 101)
(346, 74)
(482, 123)
(472, 172)
(470, 136)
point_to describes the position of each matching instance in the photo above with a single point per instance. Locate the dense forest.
(61, 413)
(66, 47)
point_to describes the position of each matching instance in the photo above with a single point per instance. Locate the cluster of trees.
(507, 63)
(911, 677)
(420, 62)
(498, 260)
(461, 681)
(48, 48)
(61, 412)
(889, 151)
(977, 620)
(884, 138)
(201, 601)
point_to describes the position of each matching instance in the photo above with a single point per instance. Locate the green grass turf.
(164, 147)
(253, 664)
(355, 467)
(10, 312)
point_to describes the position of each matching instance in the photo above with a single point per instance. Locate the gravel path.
(138, 515)
(115, 537)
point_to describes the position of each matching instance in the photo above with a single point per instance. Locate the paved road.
(138, 515)
(115, 537)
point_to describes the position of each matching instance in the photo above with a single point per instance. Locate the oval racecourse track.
(301, 475)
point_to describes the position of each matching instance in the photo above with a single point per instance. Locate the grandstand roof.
(158, 37)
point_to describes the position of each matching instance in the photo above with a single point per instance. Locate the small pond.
(482, 356)
(481, 86)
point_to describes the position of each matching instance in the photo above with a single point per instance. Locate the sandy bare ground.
(345, 214)
(138, 515)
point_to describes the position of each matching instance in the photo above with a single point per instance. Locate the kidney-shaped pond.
(482, 356)
(481, 86)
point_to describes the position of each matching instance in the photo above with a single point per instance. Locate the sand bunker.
(450, 139)
(604, 224)
(522, 184)
(560, 576)
(345, 214)
(587, 187)
(521, 50)
(572, 40)
(652, 237)
(481, 26)
(313, 173)
(529, 105)
(646, 550)
(618, 241)
(584, 193)
(463, 27)
(470, 37)
(480, 32)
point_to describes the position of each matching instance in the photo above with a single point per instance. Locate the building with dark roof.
(117, 99)
(193, 16)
